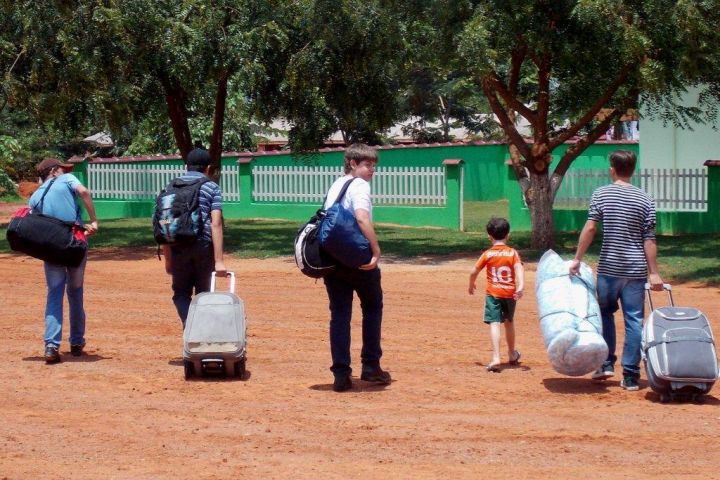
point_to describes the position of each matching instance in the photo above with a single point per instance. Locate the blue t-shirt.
(60, 199)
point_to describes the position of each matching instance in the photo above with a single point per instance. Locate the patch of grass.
(477, 214)
(10, 198)
(681, 258)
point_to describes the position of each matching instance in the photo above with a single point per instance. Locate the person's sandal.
(516, 360)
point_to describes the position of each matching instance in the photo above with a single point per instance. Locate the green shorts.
(499, 309)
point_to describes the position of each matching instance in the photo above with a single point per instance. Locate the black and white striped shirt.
(627, 215)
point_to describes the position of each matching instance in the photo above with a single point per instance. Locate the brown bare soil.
(25, 189)
(125, 411)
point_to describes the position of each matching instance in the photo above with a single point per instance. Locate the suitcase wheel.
(240, 368)
(235, 369)
(692, 397)
(189, 369)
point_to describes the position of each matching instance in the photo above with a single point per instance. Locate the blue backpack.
(340, 235)
(177, 218)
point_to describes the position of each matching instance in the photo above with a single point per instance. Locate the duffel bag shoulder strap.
(78, 217)
(42, 198)
(341, 195)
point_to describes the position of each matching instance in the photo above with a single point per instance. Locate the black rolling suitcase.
(678, 350)
(214, 339)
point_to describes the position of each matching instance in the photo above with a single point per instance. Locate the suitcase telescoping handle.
(232, 282)
(666, 287)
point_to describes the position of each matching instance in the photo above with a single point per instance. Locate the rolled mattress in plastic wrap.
(569, 316)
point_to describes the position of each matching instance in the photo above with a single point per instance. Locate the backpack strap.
(198, 183)
(202, 181)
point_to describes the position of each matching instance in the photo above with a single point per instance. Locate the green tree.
(437, 87)
(123, 62)
(343, 72)
(546, 60)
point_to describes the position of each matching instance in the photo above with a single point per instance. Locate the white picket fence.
(390, 185)
(673, 189)
(135, 181)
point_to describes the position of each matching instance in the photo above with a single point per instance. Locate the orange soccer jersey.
(500, 261)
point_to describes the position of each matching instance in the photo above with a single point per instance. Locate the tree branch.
(507, 124)
(575, 150)
(517, 59)
(510, 100)
(175, 98)
(216, 143)
(590, 114)
(543, 99)
(7, 76)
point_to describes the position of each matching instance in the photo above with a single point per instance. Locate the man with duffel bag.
(56, 197)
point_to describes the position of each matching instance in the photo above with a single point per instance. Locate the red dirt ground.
(125, 411)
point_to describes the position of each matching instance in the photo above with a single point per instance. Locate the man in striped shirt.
(628, 258)
(191, 265)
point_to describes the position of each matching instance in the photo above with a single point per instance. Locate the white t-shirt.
(357, 195)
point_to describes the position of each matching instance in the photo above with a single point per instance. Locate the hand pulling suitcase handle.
(232, 281)
(667, 287)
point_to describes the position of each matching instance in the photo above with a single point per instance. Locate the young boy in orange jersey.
(505, 284)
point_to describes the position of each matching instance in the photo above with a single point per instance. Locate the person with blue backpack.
(359, 163)
(188, 224)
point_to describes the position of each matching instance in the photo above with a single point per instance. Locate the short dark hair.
(197, 160)
(498, 228)
(623, 161)
(359, 152)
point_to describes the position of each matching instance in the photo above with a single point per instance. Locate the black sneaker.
(52, 353)
(76, 350)
(603, 373)
(377, 376)
(342, 383)
(630, 383)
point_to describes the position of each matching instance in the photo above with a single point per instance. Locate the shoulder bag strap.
(42, 199)
(341, 195)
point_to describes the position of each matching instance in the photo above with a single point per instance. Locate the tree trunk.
(541, 213)
(216, 143)
(175, 98)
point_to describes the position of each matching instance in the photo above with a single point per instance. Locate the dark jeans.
(192, 266)
(340, 286)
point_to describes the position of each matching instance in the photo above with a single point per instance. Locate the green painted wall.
(668, 223)
(449, 216)
(483, 174)
(484, 168)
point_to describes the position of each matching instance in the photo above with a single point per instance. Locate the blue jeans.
(192, 266)
(631, 294)
(340, 285)
(57, 278)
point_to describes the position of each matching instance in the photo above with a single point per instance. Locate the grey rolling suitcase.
(214, 340)
(678, 350)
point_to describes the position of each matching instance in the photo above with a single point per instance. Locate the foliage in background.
(538, 59)
(8, 188)
(437, 88)
(343, 72)
(85, 66)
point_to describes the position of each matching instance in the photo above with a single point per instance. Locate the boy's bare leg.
(495, 340)
(510, 337)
